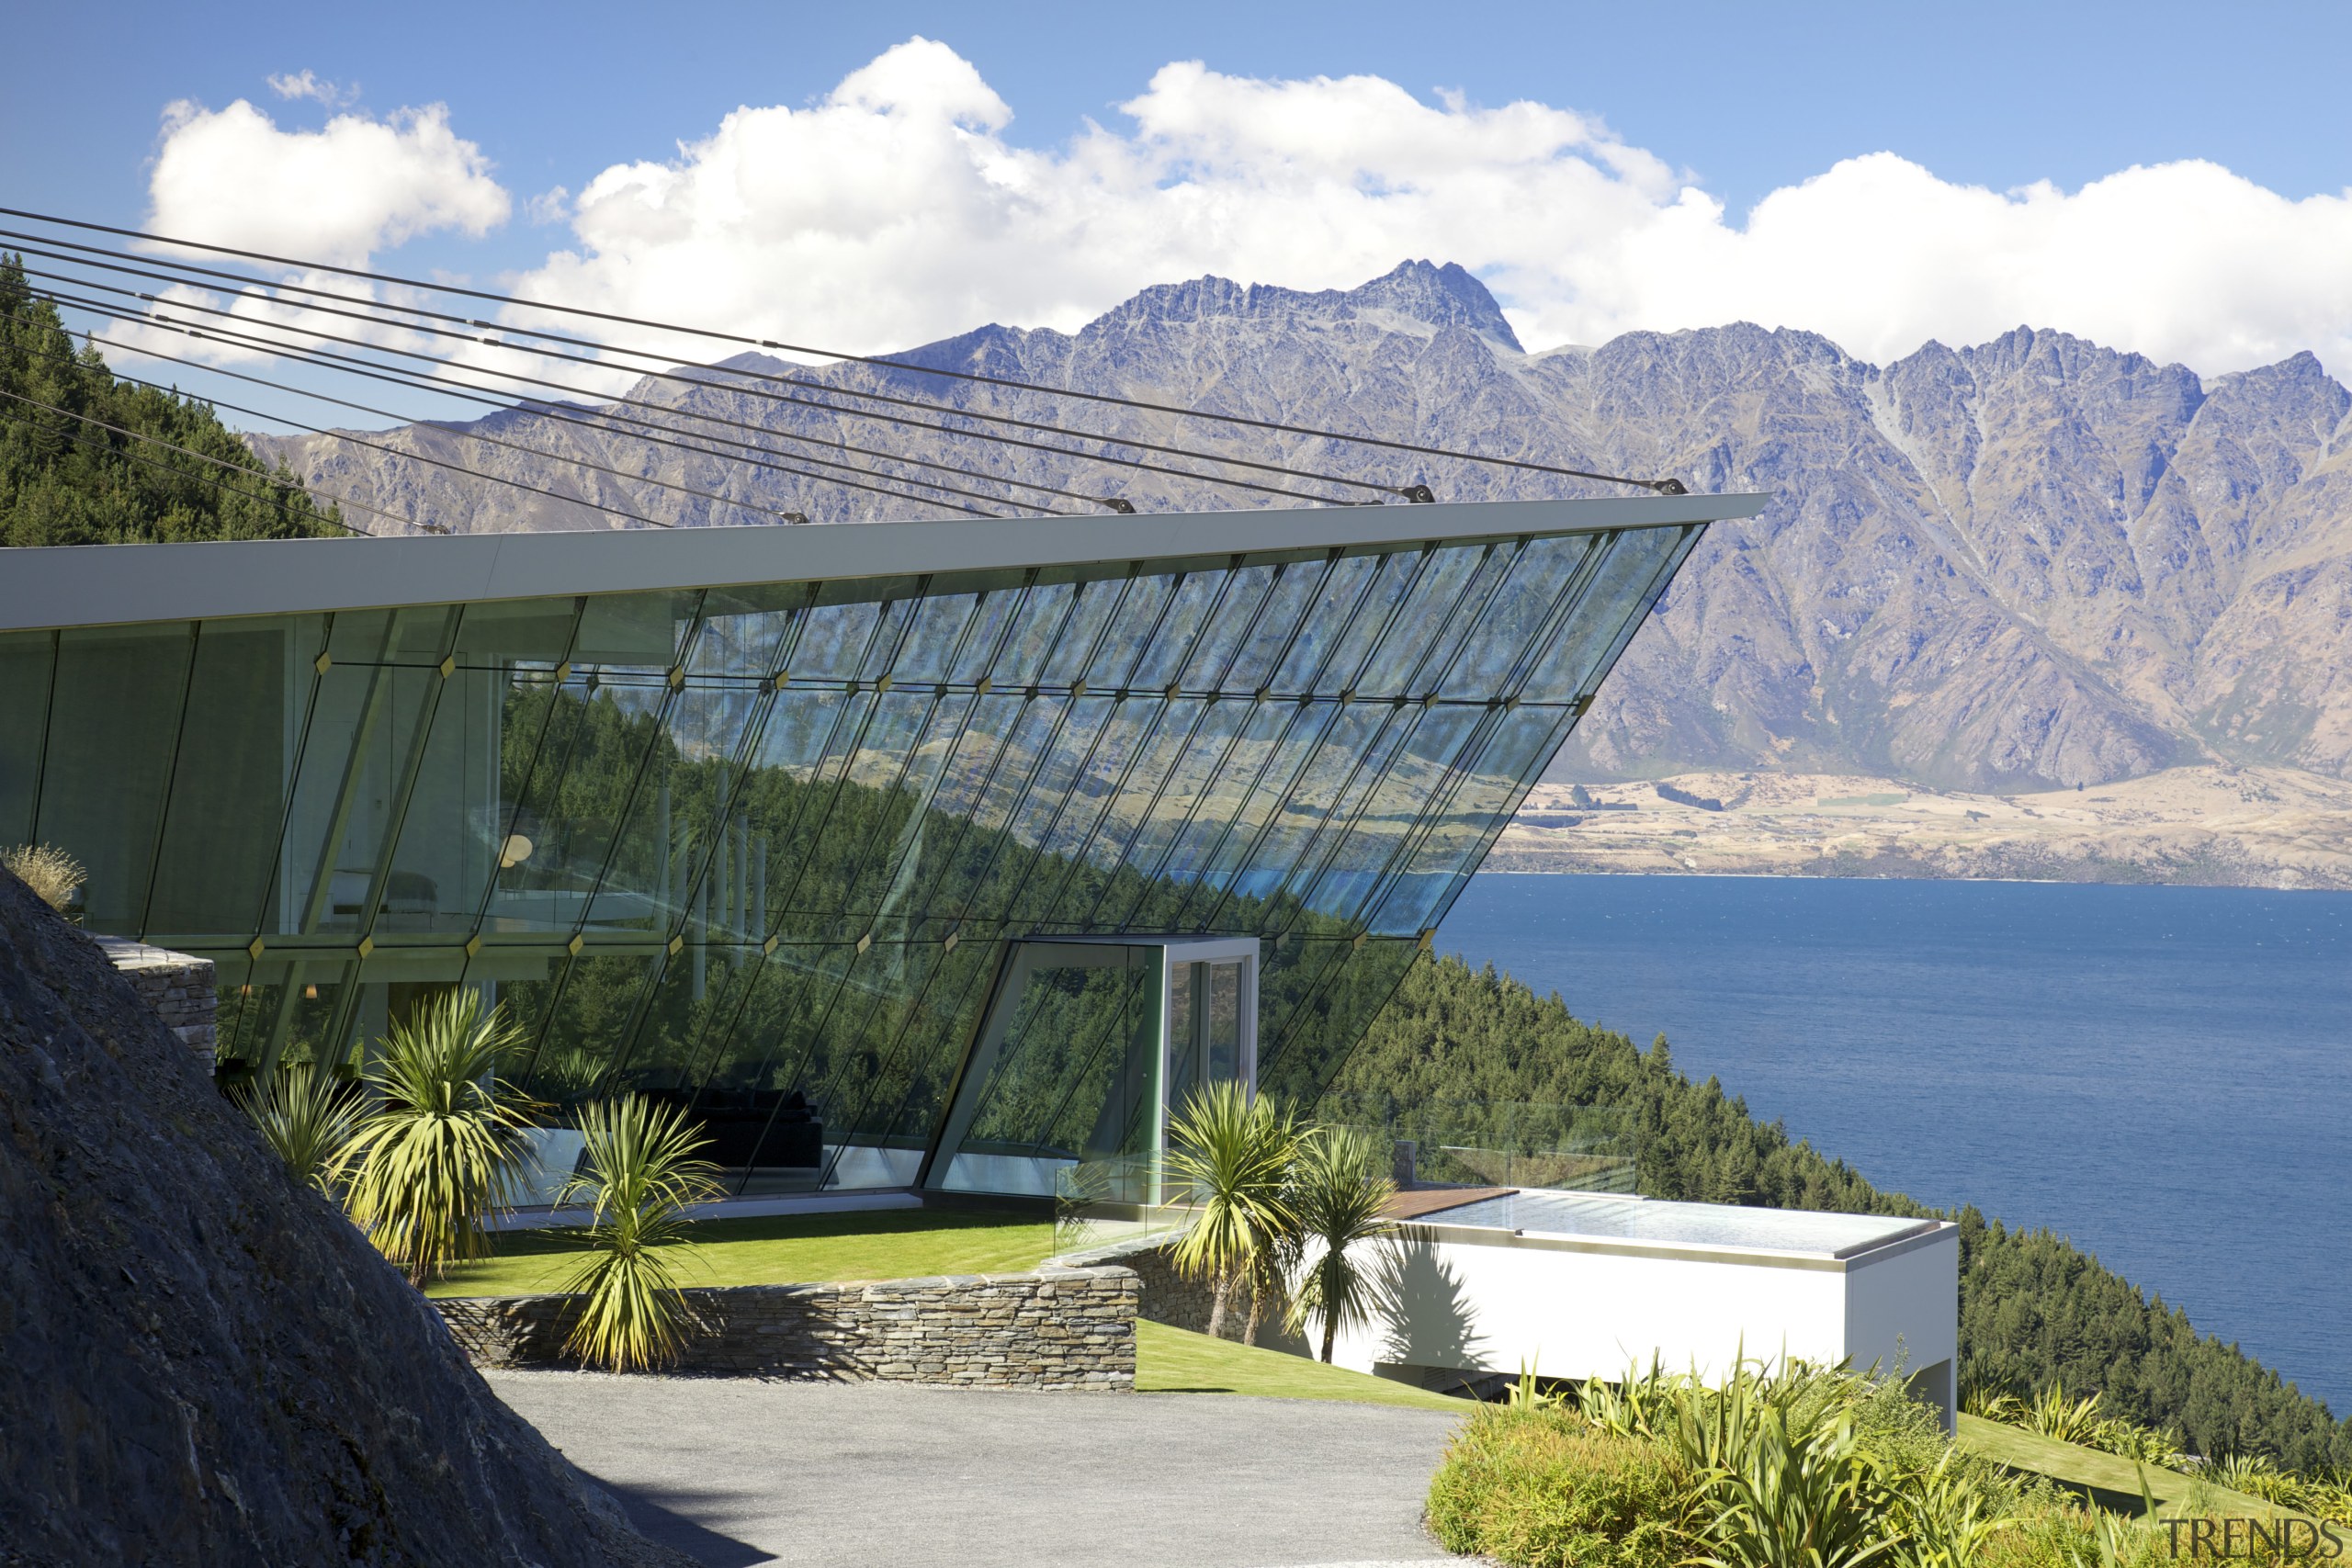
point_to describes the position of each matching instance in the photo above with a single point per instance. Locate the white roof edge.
(46, 587)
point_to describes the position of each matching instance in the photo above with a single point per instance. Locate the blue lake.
(2161, 1074)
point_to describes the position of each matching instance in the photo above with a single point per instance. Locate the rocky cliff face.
(199, 1361)
(2035, 562)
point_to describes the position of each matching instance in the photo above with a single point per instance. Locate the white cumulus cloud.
(358, 185)
(896, 209)
(308, 83)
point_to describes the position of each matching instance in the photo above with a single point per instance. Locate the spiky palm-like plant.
(310, 1122)
(444, 1148)
(1338, 1187)
(642, 1176)
(2053, 1414)
(1233, 1151)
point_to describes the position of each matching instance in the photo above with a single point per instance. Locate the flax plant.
(2053, 1414)
(309, 1122)
(1234, 1151)
(642, 1177)
(1339, 1190)
(444, 1148)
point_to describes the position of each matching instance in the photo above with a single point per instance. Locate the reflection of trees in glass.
(871, 1035)
(1067, 1054)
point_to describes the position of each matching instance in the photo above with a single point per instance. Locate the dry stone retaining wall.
(1171, 1298)
(176, 987)
(1056, 1328)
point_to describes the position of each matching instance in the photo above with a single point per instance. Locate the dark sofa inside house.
(750, 1127)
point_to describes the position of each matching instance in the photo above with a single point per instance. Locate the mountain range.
(2029, 564)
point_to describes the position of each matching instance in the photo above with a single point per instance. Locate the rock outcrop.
(203, 1363)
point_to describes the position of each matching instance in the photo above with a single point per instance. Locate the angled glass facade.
(770, 849)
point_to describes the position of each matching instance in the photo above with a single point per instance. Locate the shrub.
(642, 1177)
(2052, 1415)
(2128, 1439)
(52, 875)
(1538, 1487)
(309, 1122)
(445, 1147)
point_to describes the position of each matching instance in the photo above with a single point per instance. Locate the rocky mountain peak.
(2029, 562)
(1415, 293)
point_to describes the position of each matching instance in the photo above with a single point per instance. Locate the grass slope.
(1174, 1360)
(783, 1249)
(2113, 1482)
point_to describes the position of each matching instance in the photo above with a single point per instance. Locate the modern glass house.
(942, 855)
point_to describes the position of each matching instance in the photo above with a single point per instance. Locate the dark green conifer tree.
(66, 480)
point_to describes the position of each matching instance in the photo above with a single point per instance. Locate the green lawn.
(2114, 1481)
(1172, 1360)
(889, 1244)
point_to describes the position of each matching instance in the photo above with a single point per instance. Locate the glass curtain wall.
(760, 851)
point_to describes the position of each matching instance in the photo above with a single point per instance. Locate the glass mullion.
(114, 726)
(1280, 616)
(1518, 626)
(1097, 717)
(27, 676)
(1306, 727)
(1061, 856)
(1454, 775)
(928, 1056)
(1190, 789)
(1466, 824)
(225, 808)
(1367, 843)
(1376, 609)
(659, 744)
(964, 794)
(864, 696)
(1218, 667)
(1025, 654)
(1361, 766)
(1327, 1026)
(1636, 569)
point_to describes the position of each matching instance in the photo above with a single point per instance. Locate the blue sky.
(1736, 101)
(1747, 96)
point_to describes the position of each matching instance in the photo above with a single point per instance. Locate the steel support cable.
(414, 381)
(387, 413)
(1662, 487)
(497, 396)
(203, 457)
(389, 451)
(1407, 492)
(1112, 503)
(703, 382)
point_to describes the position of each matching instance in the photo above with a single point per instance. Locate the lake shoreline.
(2207, 826)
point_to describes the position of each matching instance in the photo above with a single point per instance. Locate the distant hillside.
(2028, 564)
(66, 479)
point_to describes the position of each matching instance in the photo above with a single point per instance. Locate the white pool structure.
(1581, 1285)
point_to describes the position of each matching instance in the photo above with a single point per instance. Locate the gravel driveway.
(738, 1472)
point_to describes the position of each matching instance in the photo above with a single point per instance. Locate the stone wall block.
(1058, 1328)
